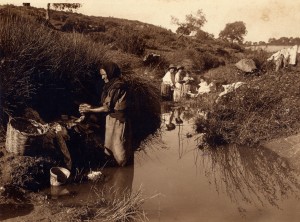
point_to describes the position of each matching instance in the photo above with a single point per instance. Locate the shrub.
(101, 37)
(260, 59)
(131, 43)
(225, 74)
(74, 24)
(196, 60)
(144, 107)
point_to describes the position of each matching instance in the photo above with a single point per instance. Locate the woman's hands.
(84, 108)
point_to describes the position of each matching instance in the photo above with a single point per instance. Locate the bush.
(144, 107)
(102, 37)
(131, 43)
(225, 74)
(73, 24)
(198, 61)
(260, 59)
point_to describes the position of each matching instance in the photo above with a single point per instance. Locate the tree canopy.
(234, 32)
(191, 23)
(69, 7)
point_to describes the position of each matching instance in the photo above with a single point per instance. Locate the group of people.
(176, 84)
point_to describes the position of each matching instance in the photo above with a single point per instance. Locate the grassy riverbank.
(266, 107)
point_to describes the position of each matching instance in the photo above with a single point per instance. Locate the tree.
(234, 32)
(283, 40)
(202, 35)
(192, 23)
(69, 7)
(296, 40)
(261, 43)
(271, 40)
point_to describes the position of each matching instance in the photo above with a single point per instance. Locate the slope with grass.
(58, 57)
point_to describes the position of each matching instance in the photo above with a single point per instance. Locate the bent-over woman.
(114, 102)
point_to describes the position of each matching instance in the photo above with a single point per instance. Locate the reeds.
(35, 58)
(121, 206)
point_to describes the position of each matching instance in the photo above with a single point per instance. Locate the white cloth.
(288, 53)
(293, 54)
(203, 88)
(230, 88)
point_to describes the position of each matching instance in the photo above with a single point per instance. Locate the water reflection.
(116, 183)
(249, 177)
(255, 176)
(14, 203)
(179, 117)
(8, 210)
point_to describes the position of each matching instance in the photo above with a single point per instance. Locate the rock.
(151, 58)
(246, 65)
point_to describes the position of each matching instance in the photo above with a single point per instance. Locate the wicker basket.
(21, 133)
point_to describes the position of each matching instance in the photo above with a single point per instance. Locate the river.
(182, 182)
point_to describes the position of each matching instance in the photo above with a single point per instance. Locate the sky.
(264, 19)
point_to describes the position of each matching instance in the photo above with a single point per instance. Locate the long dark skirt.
(166, 91)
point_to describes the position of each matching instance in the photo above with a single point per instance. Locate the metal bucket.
(59, 176)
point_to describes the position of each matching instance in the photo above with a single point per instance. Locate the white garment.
(177, 77)
(167, 79)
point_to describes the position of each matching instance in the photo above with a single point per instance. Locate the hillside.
(50, 66)
(133, 40)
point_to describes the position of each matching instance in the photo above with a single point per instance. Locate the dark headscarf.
(112, 70)
(113, 73)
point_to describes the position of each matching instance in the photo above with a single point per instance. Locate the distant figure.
(203, 87)
(168, 83)
(187, 81)
(178, 84)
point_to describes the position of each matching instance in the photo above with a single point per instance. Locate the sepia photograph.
(149, 110)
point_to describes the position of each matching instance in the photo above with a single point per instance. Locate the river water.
(226, 184)
(182, 182)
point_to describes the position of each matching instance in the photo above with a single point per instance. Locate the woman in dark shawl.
(114, 103)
